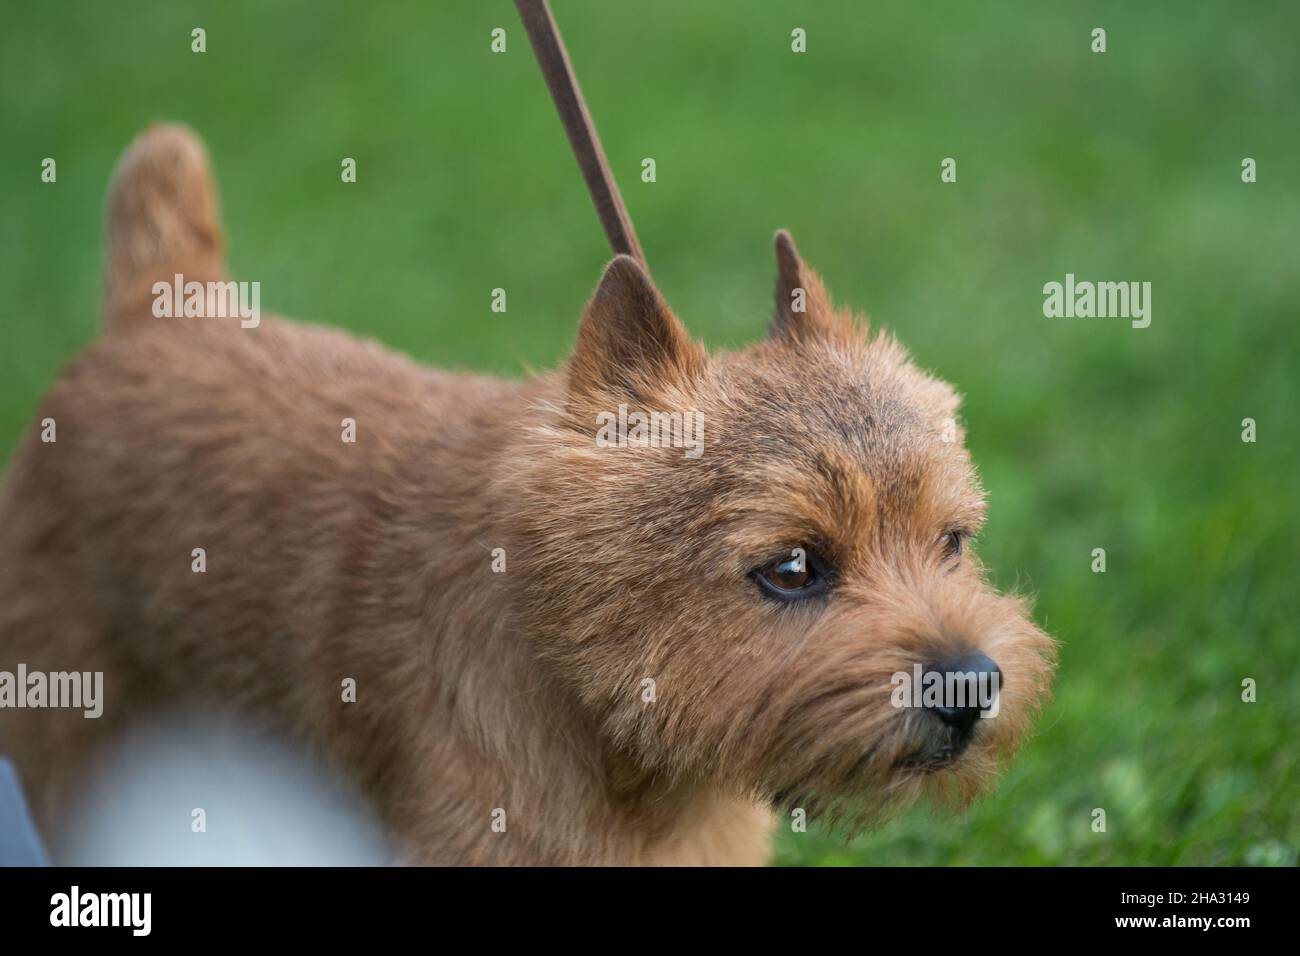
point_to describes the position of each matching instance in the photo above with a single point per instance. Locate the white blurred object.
(264, 803)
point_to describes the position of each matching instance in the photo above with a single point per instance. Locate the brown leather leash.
(558, 72)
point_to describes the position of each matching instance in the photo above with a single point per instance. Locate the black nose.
(962, 682)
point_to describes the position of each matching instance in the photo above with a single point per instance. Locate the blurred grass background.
(1117, 166)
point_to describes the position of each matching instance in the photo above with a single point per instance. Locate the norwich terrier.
(640, 610)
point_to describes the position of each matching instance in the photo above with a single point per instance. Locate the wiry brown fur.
(521, 690)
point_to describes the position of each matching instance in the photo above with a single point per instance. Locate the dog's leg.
(50, 625)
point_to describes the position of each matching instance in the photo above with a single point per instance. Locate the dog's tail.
(162, 219)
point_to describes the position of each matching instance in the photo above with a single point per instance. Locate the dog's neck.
(524, 743)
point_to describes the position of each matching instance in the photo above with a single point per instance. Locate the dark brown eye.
(951, 542)
(796, 575)
(788, 575)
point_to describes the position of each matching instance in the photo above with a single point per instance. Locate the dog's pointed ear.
(803, 307)
(629, 339)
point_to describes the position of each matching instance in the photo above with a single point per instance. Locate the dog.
(523, 644)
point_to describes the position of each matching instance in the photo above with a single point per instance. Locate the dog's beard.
(852, 788)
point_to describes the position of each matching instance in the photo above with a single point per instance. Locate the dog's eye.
(797, 575)
(788, 574)
(950, 542)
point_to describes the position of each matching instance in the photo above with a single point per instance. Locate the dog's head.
(782, 604)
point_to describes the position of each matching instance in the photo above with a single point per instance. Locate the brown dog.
(562, 652)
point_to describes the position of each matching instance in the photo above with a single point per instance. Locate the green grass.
(1119, 166)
